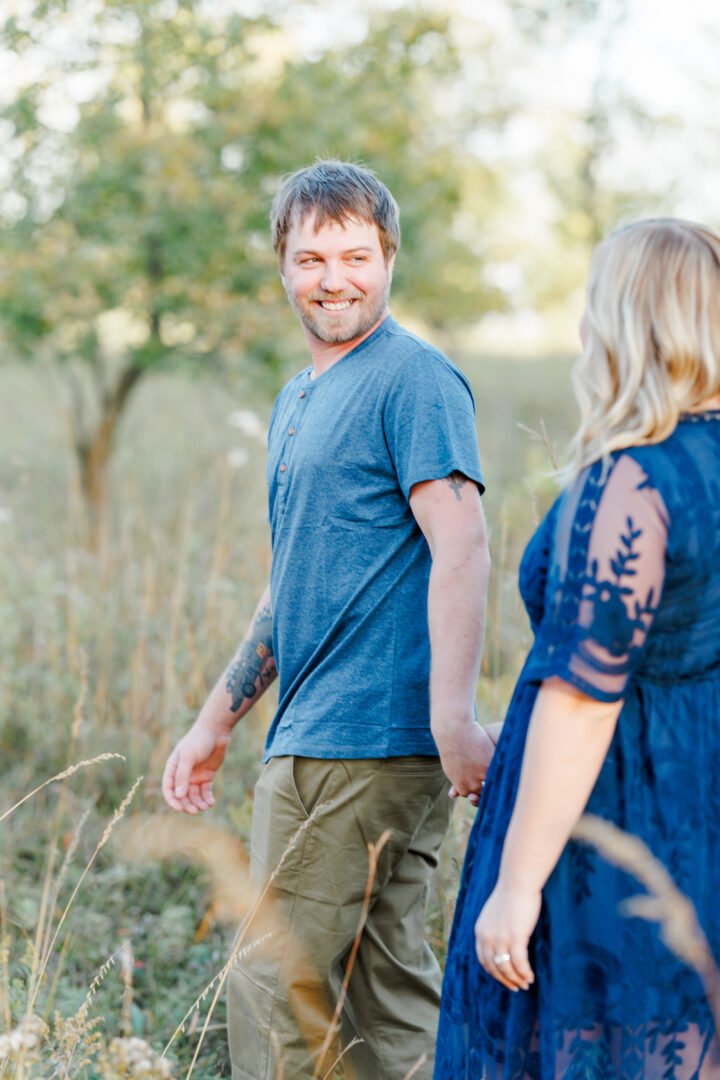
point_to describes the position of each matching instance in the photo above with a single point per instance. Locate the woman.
(617, 708)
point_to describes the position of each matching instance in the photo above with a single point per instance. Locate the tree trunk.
(93, 451)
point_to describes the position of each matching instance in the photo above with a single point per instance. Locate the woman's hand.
(502, 933)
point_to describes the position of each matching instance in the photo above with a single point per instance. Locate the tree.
(136, 235)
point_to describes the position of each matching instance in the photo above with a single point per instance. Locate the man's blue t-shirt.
(350, 565)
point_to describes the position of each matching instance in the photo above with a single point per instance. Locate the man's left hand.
(465, 752)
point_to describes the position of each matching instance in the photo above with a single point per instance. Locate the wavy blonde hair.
(652, 336)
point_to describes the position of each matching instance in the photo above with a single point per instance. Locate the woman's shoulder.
(681, 466)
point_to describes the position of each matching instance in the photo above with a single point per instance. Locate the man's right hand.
(191, 767)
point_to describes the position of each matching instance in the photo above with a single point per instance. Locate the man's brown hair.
(335, 191)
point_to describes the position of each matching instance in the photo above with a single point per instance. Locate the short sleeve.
(606, 578)
(429, 423)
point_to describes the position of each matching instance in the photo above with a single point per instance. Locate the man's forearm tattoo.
(254, 666)
(457, 481)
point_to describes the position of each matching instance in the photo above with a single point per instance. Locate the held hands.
(465, 753)
(191, 767)
(502, 933)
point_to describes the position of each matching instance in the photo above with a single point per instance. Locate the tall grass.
(106, 658)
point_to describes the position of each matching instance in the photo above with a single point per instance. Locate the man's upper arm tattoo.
(457, 481)
(254, 666)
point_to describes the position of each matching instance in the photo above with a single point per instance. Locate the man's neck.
(325, 353)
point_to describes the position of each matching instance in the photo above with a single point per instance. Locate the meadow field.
(115, 915)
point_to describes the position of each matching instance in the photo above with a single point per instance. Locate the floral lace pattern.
(622, 586)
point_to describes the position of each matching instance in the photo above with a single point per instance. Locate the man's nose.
(333, 278)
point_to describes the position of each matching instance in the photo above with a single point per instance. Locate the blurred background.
(144, 333)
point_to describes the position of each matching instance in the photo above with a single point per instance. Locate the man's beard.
(364, 316)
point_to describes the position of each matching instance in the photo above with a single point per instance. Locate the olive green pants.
(293, 952)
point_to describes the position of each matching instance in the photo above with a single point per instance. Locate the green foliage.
(156, 201)
(137, 234)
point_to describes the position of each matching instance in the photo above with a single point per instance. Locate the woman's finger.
(506, 963)
(496, 966)
(521, 965)
(503, 970)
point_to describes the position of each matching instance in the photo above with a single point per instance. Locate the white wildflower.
(249, 423)
(238, 457)
(137, 1058)
(26, 1036)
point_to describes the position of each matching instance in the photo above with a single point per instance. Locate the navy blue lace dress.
(622, 584)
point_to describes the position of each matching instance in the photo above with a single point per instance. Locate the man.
(379, 561)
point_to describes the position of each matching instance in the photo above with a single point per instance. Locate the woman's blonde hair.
(652, 335)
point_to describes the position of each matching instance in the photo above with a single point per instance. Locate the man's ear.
(391, 262)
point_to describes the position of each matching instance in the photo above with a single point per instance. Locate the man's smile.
(335, 305)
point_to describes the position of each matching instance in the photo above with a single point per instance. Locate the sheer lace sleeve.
(606, 578)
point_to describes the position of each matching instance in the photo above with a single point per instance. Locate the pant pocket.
(314, 781)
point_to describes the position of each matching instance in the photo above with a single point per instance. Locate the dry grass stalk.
(79, 704)
(61, 776)
(58, 971)
(62, 873)
(44, 943)
(47, 906)
(69, 856)
(493, 645)
(44, 922)
(353, 1042)
(127, 963)
(5, 958)
(82, 1012)
(542, 437)
(177, 599)
(416, 1067)
(532, 497)
(38, 975)
(665, 904)
(43, 926)
(193, 1010)
(118, 814)
(373, 854)
(73, 1046)
(221, 549)
(71, 1032)
(319, 809)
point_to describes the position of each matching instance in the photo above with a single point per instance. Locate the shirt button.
(282, 468)
(291, 431)
(302, 393)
